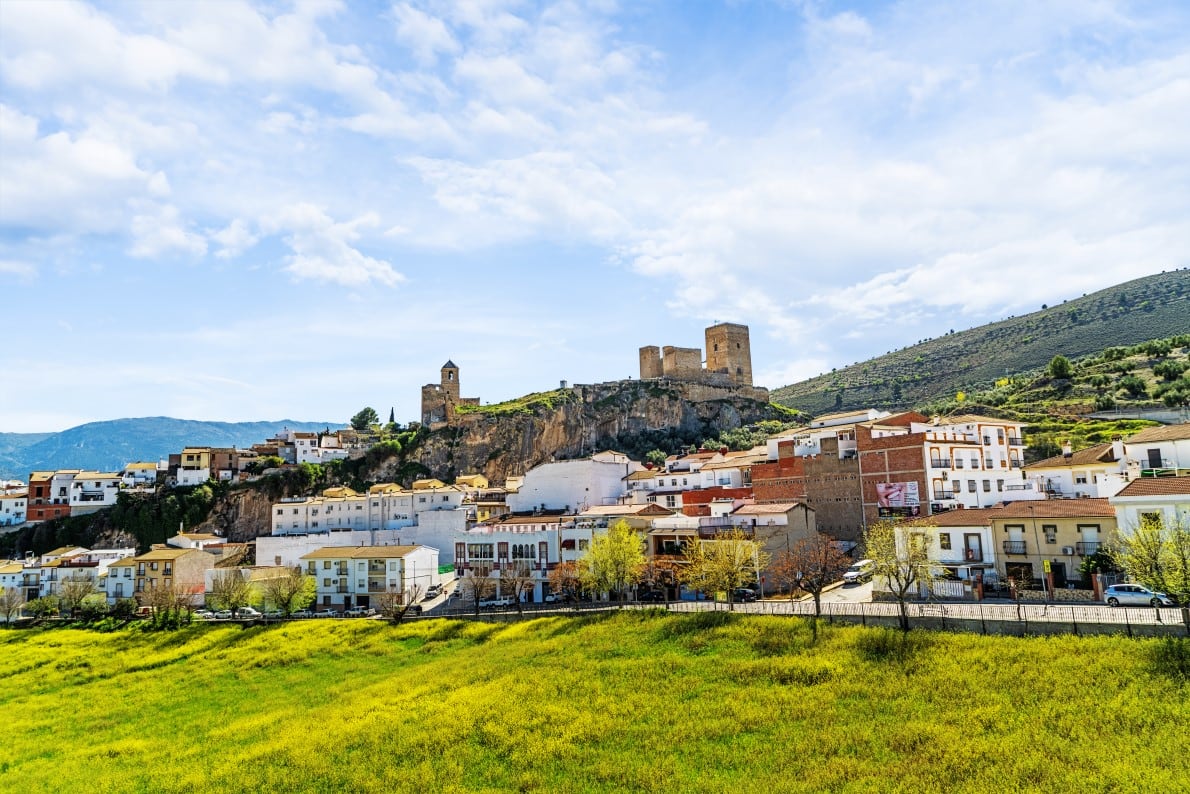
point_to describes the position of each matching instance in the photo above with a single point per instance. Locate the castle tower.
(729, 351)
(650, 362)
(450, 380)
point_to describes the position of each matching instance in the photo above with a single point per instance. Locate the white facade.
(12, 509)
(93, 490)
(1133, 503)
(975, 462)
(383, 507)
(287, 550)
(120, 581)
(574, 485)
(140, 475)
(1158, 448)
(347, 577)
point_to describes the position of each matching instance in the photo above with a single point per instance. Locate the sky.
(247, 211)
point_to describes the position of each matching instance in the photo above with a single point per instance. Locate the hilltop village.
(989, 515)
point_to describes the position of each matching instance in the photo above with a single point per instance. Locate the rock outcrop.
(509, 439)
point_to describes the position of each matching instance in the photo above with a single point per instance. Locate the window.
(583, 544)
(152, 566)
(326, 582)
(1051, 533)
(944, 541)
(987, 486)
(326, 565)
(971, 486)
(999, 485)
(1080, 477)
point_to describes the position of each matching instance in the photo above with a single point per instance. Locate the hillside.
(632, 701)
(1147, 308)
(107, 446)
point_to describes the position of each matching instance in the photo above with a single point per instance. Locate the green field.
(640, 701)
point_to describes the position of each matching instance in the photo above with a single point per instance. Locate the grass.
(641, 701)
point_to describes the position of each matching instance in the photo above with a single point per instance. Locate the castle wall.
(681, 362)
(650, 362)
(729, 351)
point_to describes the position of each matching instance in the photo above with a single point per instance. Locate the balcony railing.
(958, 463)
(1014, 547)
(342, 589)
(1085, 548)
(940, 463)
(1014, 464)
(945, 495)
(1013, 441)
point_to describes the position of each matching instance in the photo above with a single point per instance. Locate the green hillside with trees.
(1154, 307)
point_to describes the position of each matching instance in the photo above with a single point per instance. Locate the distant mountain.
(107, 446)
(1154, 307)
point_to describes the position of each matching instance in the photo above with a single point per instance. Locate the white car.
(493, 603)
(859, 572)
(1136, 594)
(359, 612)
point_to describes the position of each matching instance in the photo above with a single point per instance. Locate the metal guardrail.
(983, 617)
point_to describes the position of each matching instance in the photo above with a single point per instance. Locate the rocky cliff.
(239, 516)
(510, 438)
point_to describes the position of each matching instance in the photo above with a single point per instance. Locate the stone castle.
(728, 362)
(439, 400)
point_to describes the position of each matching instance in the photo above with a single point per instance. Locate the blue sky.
(243, 211)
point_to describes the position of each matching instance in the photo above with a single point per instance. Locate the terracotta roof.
(766, 509)
(358, 552)
(643, 474)
(976, 419)
(1100, 453)
(978, 517)
(1056, 508)
(623, 510)
(1164, 433)
(12, 567)
(165, 554)
(1156, 486)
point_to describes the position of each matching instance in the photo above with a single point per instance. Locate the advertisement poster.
(898, 499)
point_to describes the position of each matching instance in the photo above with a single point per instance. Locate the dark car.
(744, 594)
(655, 596)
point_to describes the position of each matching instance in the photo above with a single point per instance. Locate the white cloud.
(234, 239)
(21, 270)
(322, 249)
(159, 230)
(424, 35)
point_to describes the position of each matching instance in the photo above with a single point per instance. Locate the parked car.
(550, 598)
(204, 614)
(274, 614)
(1135, 594)
(301, 613)
(651, 596)
(744, 594)
(247, 613)
(222, 614)
(326, 613)
(494, 603)
(359, 612)
(433, 591)
(859, 572)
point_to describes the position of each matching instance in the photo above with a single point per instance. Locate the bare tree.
(902, 565)
(564, 580)
(660, 574)
(169, 605)
(289, 592)
(516, 580)
(394, 604)
(810, 566)
(476, 586)
(230, 589)
(12, 602)
(75, 588)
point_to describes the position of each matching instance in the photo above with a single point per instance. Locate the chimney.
(1117, 447)
(1067, 450)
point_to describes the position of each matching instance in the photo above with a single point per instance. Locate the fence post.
(863, 614)
(1074, 621)
(983, 625)
(1127, 623)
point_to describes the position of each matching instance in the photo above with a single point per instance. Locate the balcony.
(375, 586)
(1014, 547)
(940, 463)
(1085, 548)
(342, 589)
(944, 495)
(1014, 464)
(1013, 441)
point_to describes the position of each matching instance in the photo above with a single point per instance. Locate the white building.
(12, 508)
(573, 485)
(140, 474)
(354, 576)
(1164, 450)
(1096, 472)
(91, 491)
(383, 507)
(1164, 498)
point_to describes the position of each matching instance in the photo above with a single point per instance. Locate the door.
(973, 547)
(1154, 458)
(1059, 571)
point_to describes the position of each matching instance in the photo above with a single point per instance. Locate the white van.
(860, 572)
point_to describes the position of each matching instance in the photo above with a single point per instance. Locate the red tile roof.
(1056, 508)
(1157, 486)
